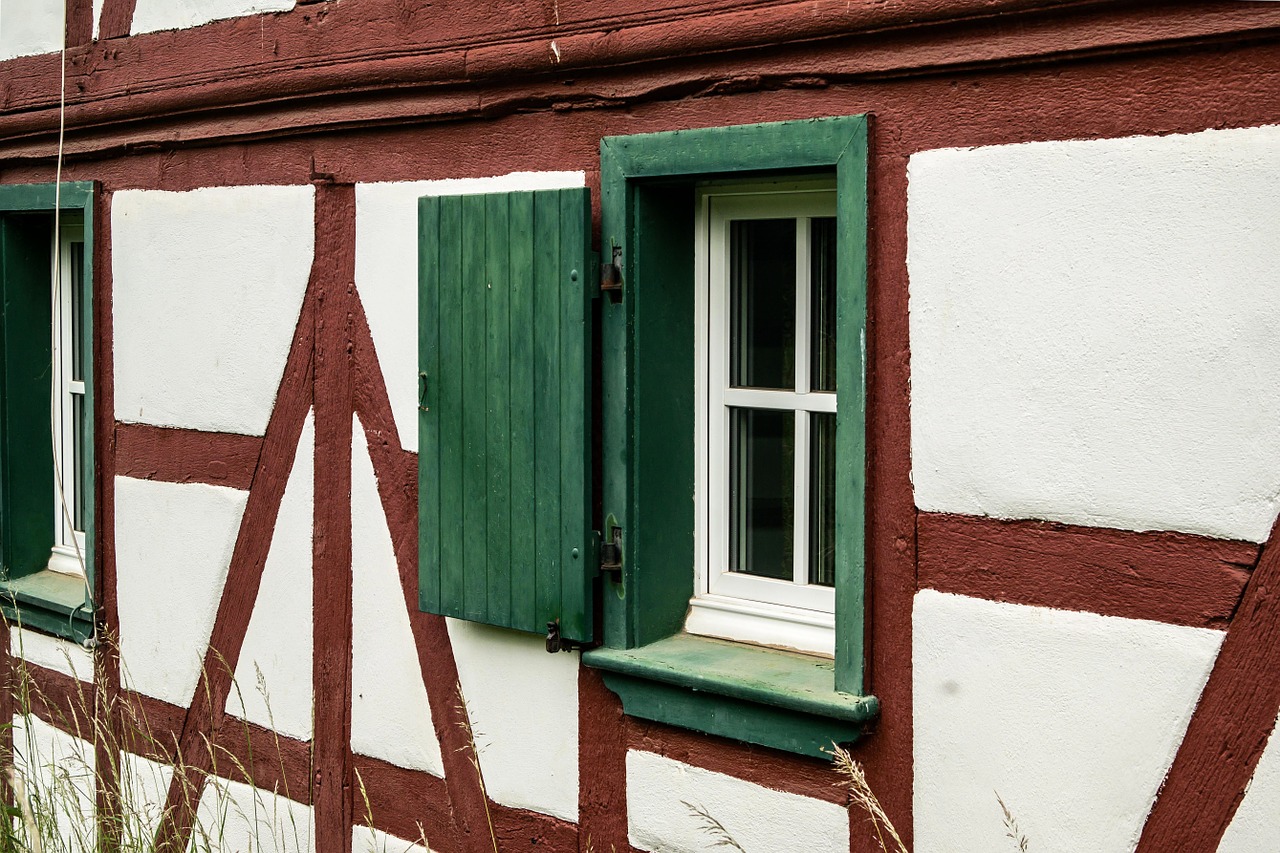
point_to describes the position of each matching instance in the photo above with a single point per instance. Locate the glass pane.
(761, 500)
(822, 278)
(77, 312)
(822, 499)
(762, 294)
(77, 466)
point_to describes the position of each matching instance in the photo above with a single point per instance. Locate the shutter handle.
(422, 391)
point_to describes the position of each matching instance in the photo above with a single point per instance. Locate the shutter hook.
(422, 391)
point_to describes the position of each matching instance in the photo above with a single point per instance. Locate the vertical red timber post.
(331, 792)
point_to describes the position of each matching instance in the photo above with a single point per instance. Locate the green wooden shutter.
(503, 422)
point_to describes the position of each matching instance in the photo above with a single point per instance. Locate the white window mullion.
(800, 515)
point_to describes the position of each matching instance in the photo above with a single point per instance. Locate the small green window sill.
(770, 697)
(50, 602)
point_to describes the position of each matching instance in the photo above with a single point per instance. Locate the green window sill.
(50, 602)
(763, 696)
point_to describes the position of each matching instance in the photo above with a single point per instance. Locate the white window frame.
(789, 614)
(67, 555)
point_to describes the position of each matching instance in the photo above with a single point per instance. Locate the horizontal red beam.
(1166, 577)
(174, 455)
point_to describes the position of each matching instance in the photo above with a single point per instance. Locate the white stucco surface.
(1256, 826)
(523, 706)
(1074, 718)
(52, 653)
(57, 770)
(660, 792)
(173, 550)
(144, 788)
(29, 27)
(278, 644)
(237, 818)
(1093, 331)
(152, 15)
(366, 840)
(387, 271)
(207, 289)
(390, 716)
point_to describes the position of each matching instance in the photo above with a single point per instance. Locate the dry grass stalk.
(853, 778)
(473, 755)
(1011, 829)
(712, 827)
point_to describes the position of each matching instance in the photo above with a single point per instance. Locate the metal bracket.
(611, 547)
(556, 643)
(611, 276)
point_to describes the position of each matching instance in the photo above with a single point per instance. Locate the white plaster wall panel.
(57, 771)
(144, 786)
(152, 15)
(173, 550)
(523, 707)
(756, 817)
(237, 818)
(387, 271)
(1256, 826)
(97, 17)
(1093, 331)
(52, 653)
(207, 289)
(273, 675)
(366, 840)
(390, 716)
(29, 27)
(1074, 718)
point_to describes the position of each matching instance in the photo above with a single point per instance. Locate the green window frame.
(776, 698)
(30, 593)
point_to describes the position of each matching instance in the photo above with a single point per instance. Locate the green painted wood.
(429, 533)
(49, 602)
(518, 497)
(639, 608)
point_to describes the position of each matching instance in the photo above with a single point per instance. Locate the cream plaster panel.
(756, 817)
(207, 289)
(237, 818)
(1256, 826)
(1074, 718)
(52, 653)
(1093, 331)
(273, 675)
(366, 840)
(152, 15)
(387, 272)
(390, 716)
(29, 27)
(144, 788)
(173, 549)
(58, 772)
(523, 706)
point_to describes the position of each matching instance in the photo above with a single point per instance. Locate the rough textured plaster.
(756, 817)
(28, 27)
(144, 787)
(52, 653)
(366, 840)
(152, 15)
(278, 643)
(387, 272)
(207, 288)
(1093, 331)
(1256, 826)
(173, 550)
(523, 706)
(236, 818)
(1074, 718)
(390, 717)
(58, 771)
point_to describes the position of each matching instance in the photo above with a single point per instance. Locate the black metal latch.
(611, 276)
(611, 547)
(557, 643)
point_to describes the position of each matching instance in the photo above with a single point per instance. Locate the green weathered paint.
(764, 696)
(503, 445)
(43, 600)
(647, 183)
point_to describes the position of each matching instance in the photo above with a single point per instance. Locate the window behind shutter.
(504, 439)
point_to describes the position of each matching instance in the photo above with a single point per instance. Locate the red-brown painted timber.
(333, 280)
(408, 804)
(1229, 728)
(249, 556)
(174, 455)
(115, 19)
(78, 25)
(1167, 577)
(397, 475)
(602, 764)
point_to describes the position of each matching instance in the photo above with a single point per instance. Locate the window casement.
(717, 573)
(46, 402)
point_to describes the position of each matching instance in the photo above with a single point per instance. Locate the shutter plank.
(523, 418)
(497, 406)
(448, 412)
(574, 385)
(429, 420)
(546, 324)
(474, 400)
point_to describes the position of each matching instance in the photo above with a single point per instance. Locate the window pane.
(77, 465)
(762, 504)
(822, 278)
(762, 286)
(822, 499)
(77, 312)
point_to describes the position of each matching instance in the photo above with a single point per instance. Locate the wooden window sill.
(48, 601)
